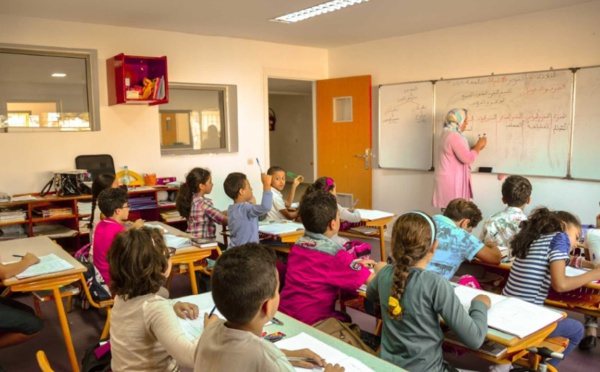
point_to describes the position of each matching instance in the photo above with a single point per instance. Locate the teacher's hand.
(480, 144)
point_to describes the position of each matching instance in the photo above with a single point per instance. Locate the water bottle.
(126, 176)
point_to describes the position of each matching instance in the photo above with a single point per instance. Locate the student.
(145, 334)
(416, 299)
(243, 214)
(592, 244)
(456, 243)
(246, 291)
(502, 226)
(542, 251)
(193, 204)
(279, 209)
(113, 203)
(349, 215)
(318, 267)
(18, 322)
(102, 182)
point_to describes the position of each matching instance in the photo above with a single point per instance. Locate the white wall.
(560, 38)
(292, 140)
(131, 133)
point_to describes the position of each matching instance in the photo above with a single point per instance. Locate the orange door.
(168, 128)
(344, 135)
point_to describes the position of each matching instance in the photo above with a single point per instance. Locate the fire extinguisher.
(272, 119)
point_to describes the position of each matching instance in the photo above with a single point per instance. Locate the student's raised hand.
(485, 299)
(298, 180)
(208, 321)
(304, 358)
(30, 259)
(334, 368)
(186, 310)
(266, 181)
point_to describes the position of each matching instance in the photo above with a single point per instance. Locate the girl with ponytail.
(199, 210)
(415, 300)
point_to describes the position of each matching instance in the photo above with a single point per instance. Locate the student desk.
(585, 300)
(292, 327)
(287, 239)
(189, 255)
(381, 225)
(41, 246)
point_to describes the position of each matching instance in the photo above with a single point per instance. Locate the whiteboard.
(526, 118)
(406, 126)
(586, 131)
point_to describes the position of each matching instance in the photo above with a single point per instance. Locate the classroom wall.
(560, 38)
(291, 143)
(131, 133)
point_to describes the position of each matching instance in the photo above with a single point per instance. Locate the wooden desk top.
(40, 246)
(174, 231)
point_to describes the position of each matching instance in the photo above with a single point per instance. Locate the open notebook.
(329, 353)
(277, 228)
(371, 214)
(509, 314)
(48, 264)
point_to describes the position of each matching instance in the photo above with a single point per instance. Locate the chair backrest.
(43, 361)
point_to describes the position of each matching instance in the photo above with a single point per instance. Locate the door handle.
(367, 157)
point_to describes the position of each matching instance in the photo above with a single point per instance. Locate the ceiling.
(248, 19)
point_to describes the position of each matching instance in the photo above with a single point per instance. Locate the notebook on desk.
(371, 214)
(48, 264)
(509, 314)
(278, 228)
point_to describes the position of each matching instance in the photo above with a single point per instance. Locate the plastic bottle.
(126, 176)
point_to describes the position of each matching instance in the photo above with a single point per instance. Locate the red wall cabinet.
(137, 80)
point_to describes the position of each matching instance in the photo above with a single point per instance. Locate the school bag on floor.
(346, 332)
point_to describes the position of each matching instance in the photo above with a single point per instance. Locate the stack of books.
(8, 215)
(171, 215)
(83, 225)
(84, 207)
(12, 232)
(48, 212)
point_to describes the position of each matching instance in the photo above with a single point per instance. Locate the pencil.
(212, 311)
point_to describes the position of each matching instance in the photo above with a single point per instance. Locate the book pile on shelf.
(49, 212)
(10, 215)
(53, 231)
(171, 215)
(12, 232)
(166, 203)
(146, 202)
(84, 225)
(84, 207)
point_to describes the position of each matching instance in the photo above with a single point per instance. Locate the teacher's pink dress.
(452, 177)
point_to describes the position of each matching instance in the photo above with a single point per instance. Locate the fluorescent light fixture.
(59, 74)
(328, 7)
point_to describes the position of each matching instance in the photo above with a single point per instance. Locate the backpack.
(346, 332)
(97, 358)
(358, 249)
(93, 279)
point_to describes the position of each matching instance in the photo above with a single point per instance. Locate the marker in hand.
(259, 167)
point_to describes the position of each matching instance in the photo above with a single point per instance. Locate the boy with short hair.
(455, 241)
(279, 210)
(502, 226)
(243, 214)
(245, 289)
(113, 204)
(318, 268)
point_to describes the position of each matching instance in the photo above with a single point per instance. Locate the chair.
(43, 361)
(556, 344)
(42, 296)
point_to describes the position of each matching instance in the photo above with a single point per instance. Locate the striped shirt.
(529, 277)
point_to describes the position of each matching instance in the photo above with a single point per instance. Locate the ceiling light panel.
(317, 10)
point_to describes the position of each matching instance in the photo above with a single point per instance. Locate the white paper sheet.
(280, 228)
(177, 241)
(47, 265)
(371, 214)
(329, 353)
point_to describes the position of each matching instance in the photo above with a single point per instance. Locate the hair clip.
(394, 304)
(329, 184)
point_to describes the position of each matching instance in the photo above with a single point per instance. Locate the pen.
(277, 321)
(259, 167)
(303, 359)
(355, 202)
(212, 311)
(18, 255)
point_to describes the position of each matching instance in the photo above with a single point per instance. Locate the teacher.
(452, 177)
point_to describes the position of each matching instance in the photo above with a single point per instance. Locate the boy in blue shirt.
(455, 241)
(243, 214)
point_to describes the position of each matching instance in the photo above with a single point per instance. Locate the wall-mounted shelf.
(129, 78)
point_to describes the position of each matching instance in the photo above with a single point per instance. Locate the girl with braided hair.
(415, 300)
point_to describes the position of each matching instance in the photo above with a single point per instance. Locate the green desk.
(292, 327)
